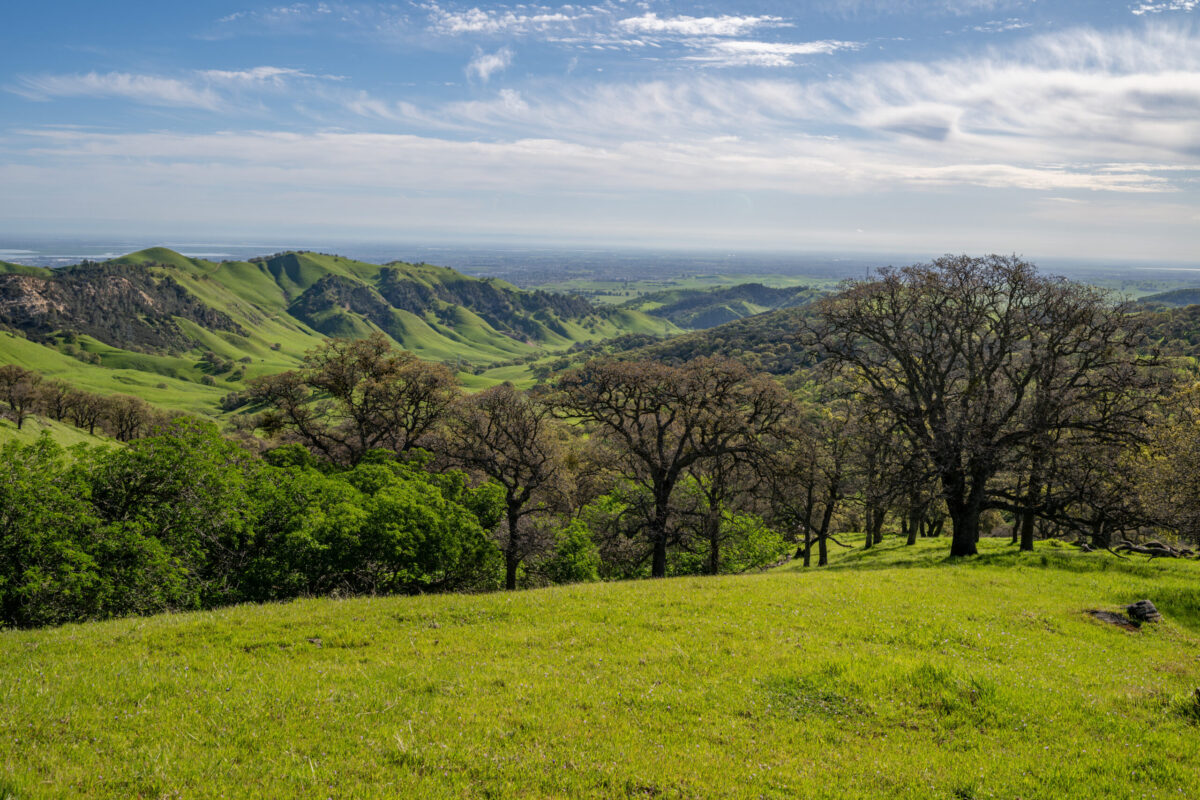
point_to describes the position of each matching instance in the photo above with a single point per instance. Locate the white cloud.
(496, 21)
(724, 25)
(484, 65)
(1001, 26)
(146, 89)
(1042, 114)
(280, 15)
(743, 53)
(276, 76)
(209, 89)
(1076, 114)
(655, 190)
(1158, 8)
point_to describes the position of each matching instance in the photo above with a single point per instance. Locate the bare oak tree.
(981, 361)
(512, 438)
(19, 391)
(351, 396)
(659, 420)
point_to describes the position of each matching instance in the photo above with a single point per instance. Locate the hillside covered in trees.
(966, 397)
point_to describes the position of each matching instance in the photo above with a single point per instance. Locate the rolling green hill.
(707, 308)
(183, 332)
(892, 674)
(1175, 298)
(769, 342)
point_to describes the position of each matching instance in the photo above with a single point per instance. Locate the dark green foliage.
(1176, 331)
(186, 520)
(46, 573)
(767, 342)
(576, 558)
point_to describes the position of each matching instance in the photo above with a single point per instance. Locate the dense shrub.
(185, 519)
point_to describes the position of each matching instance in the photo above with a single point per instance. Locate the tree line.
(961, 396)
(25, 393)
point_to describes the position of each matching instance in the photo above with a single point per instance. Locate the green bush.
(576, 558)
(186, 519)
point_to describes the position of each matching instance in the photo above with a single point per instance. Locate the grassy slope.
(62, 432)
(9, 268)
(122, 372)
(257, 296)
(904, 677)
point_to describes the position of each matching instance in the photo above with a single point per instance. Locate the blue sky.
(1042, 127)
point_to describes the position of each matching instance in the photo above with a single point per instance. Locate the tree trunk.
(714, 545)
(511, 562)
(869, 527)
(658, 567)
(823, 535)
(1032, 498)
(877, 534)
(964, 522)
(964, 533)
(964, 495)
(1027, 530)
(807, 546)
(913, 526)
(512, 559)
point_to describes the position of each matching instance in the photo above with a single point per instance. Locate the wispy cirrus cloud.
(283, 15)
(750, 53)
(145, 89)
(275, 76)
(682, 25)
(1038, 116)
(210, 89)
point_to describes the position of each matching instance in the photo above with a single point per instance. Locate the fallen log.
(1153, 549)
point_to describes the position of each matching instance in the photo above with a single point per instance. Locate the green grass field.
(891, 674)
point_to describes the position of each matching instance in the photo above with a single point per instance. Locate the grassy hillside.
(63, 433)
(142, 323)
(9, 268)
(707, 308)
(890, 674)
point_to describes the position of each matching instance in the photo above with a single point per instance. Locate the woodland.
(962, 398)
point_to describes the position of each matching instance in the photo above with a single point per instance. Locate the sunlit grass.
(905, 676)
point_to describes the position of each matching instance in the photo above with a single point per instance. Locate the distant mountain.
(1176, 298)
(182, 331)
(707, 308)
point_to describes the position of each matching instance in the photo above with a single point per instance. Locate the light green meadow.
(893, 673)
